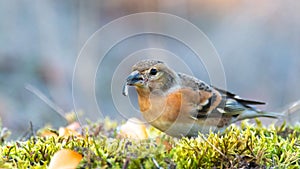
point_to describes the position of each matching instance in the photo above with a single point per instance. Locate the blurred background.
(258, 44)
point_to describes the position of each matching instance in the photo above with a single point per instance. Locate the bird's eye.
(153, 71)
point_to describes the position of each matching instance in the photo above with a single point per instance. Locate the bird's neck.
(143, 91)
(143, 98)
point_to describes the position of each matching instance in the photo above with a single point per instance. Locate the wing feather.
(218, 102)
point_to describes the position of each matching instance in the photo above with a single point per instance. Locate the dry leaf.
(47, 133)
(133, 128)
(74, 126)
(65, 159)
(65, 132)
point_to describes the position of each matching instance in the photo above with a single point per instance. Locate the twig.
(28, 133)
(125, 166)
(156, 163)
(46, 100)
(293, 108)
(31, 129)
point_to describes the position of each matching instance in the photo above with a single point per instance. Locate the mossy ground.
(247, 146)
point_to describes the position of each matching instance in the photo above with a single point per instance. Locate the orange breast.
(173, 111)
(160, 108)
(173, 106)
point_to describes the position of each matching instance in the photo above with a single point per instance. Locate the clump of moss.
(248, 146)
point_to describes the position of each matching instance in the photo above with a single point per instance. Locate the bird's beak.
(134, 79)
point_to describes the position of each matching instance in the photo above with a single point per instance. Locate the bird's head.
(152, 76)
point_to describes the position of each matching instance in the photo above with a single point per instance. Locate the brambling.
(182, 105)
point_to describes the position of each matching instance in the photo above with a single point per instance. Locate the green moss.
(238, 147)
(246, 147)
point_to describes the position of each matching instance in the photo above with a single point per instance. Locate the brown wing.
(202, 97)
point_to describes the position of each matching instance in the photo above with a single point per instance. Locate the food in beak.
(125, 89)
(134, 79)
